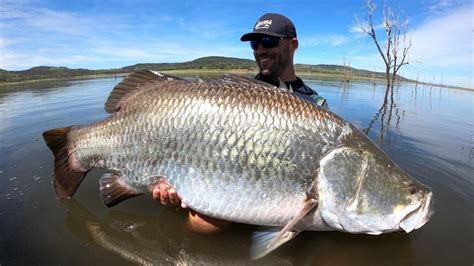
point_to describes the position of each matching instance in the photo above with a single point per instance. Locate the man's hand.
(167, 195)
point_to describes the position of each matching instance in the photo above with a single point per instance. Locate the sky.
(98, 34)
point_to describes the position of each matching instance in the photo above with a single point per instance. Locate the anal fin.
(112, 191)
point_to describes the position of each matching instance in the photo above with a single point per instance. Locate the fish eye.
(412, 189)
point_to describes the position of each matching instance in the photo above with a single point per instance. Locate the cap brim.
(255, 35)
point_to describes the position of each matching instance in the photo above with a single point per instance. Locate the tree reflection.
(345, 91)
(384, 117)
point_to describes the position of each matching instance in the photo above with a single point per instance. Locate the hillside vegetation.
(216, 63)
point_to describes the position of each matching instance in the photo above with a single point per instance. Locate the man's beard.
(271, 72)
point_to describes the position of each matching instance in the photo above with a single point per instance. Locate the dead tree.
(394, 49)
(347, 70)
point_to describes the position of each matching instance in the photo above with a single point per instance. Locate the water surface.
(428, 131)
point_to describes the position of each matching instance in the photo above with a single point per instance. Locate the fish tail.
(66, 178)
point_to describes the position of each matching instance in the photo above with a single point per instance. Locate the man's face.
(272, 61)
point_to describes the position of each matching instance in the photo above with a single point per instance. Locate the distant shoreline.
(208, 66)
(192, 72)
(96, 76)
(218, 72)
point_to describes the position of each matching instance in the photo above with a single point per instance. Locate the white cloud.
(27, 20)
(323, 39)
(34, 35)
(104, 54)
(445, 41)
(442, 6)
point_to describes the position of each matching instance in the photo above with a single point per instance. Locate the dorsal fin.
(244, 79)
(248, 80)
(132, 83)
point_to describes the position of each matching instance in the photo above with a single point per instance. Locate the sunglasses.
(266, 42)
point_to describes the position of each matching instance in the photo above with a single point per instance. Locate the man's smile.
(265, 60)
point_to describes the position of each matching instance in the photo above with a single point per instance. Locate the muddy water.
(428, 131)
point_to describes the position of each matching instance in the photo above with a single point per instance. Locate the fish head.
(362, 191)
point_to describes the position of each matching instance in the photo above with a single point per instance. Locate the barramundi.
(240, 150)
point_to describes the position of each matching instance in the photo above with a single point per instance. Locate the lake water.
(428, 131)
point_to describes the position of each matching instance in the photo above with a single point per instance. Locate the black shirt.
(299, 88)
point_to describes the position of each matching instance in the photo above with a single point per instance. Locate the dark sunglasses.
(266, 42)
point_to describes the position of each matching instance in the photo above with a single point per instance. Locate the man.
(274, 43)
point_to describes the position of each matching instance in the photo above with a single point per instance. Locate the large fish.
(244, 151)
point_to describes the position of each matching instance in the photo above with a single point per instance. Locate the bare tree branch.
(395, 50)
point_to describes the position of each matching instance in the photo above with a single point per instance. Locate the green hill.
(209, 62)
(218, 63)
(48, 72)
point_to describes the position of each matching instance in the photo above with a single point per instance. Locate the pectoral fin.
(112, 191)
(268, 239)
(264, 242)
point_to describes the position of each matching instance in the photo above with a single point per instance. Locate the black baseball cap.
(273, 25)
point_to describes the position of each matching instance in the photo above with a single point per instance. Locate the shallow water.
(428, 131)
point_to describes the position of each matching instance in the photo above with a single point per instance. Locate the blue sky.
(112, 34)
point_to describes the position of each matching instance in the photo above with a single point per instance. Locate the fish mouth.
(418, 217)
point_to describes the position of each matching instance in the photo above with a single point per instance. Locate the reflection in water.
(161, 240)
(384, 118)
(345, 92)
(34, 87)
(150, 240)
(436, 147)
